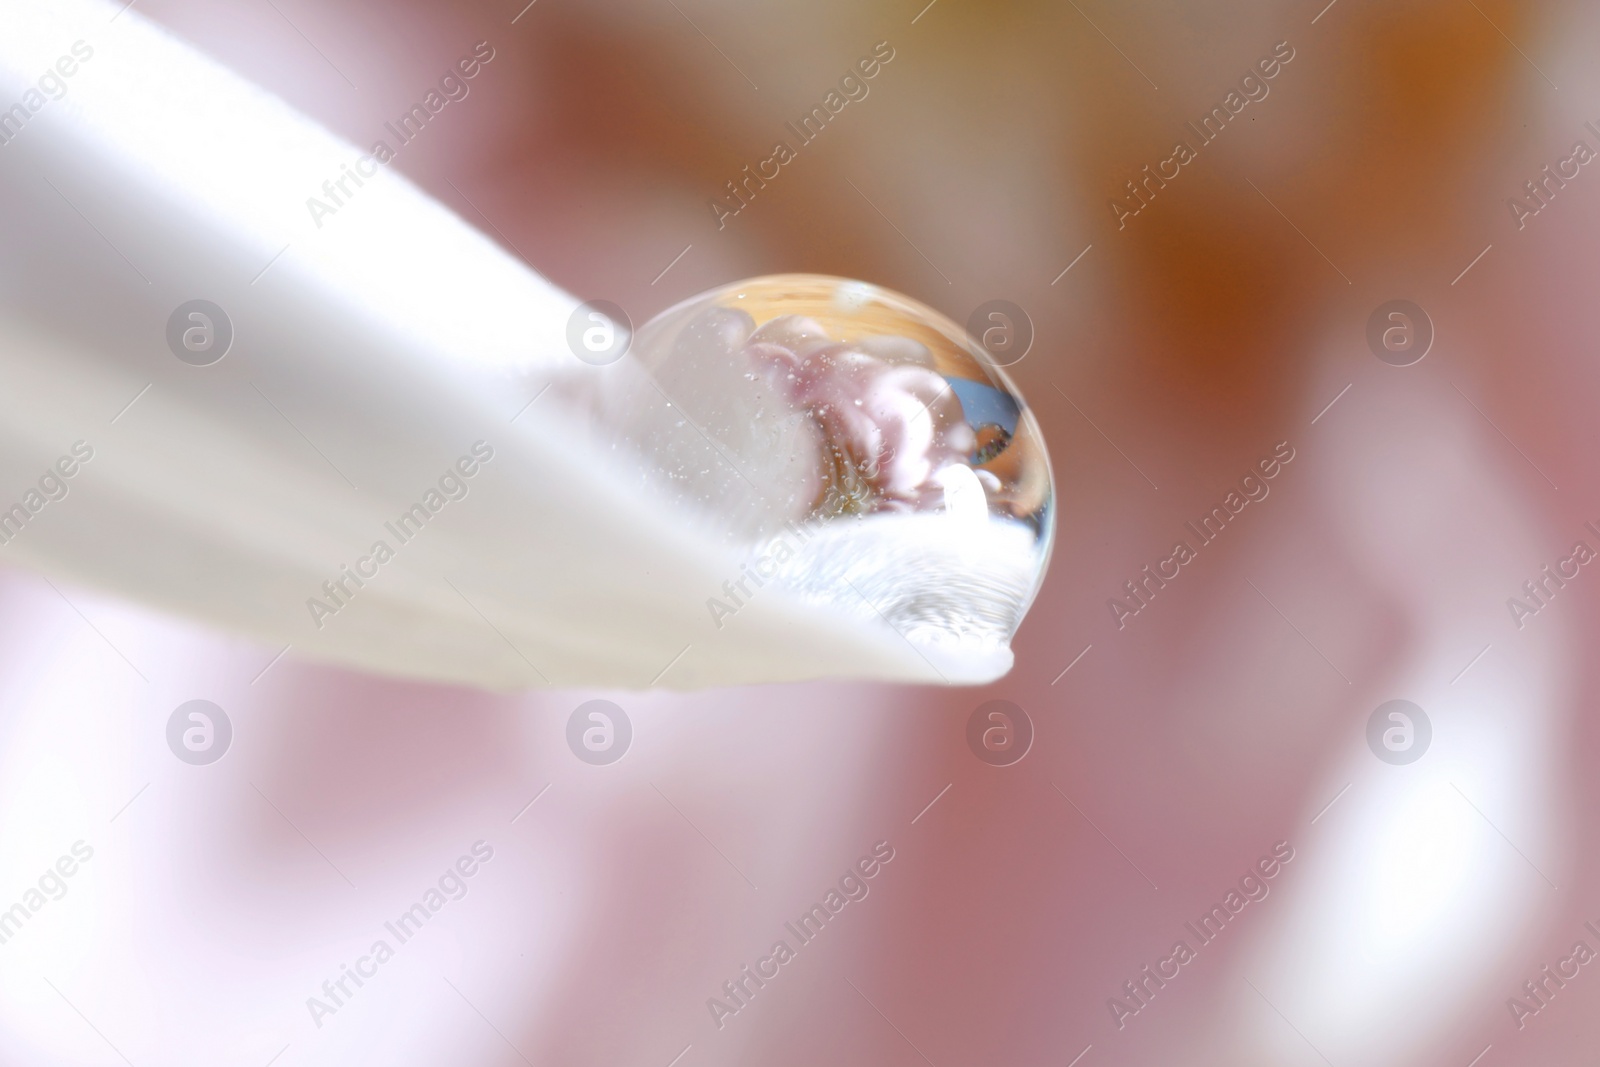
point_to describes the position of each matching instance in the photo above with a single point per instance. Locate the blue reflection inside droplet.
(984, 404)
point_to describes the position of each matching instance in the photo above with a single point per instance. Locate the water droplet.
(877, 408)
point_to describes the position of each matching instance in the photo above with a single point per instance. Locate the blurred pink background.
(1228, 716)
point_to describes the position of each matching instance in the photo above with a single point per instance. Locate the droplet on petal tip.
(817, 399)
